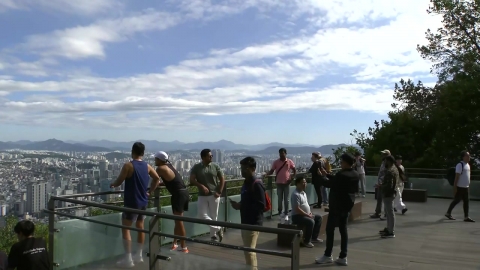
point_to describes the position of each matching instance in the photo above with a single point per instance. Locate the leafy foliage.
(429, 126)
(8, 236)
(335, 161)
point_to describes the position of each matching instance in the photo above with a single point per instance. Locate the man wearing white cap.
(173, 181)
(381, 175)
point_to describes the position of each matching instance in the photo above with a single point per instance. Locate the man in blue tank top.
(173, 181)
(136, 175)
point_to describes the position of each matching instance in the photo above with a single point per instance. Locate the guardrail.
(424, 173)
(155, 236)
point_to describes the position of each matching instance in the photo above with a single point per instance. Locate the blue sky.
(257, 71)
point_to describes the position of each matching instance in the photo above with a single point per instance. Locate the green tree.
(8, 236)
(335, 160)
(429, 126)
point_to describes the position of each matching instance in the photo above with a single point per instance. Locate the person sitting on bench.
(301, 215)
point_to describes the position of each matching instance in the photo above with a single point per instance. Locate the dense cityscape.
(28, 178)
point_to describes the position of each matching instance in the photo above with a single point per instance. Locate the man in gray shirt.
(302, 216)
(381, 175)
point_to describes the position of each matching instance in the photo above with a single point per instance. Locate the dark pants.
(318, 190)
(378, 196)
(461, 195)
(339, 220)
(312, 226)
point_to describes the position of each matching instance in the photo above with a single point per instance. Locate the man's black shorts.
(180, 200)
(132, 216)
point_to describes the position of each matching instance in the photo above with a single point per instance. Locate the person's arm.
(123, 175)
(13, 258)
(259, 193)
(293, 169)
(155, 178)
(221, 179)
(328, 179)
(194, 182)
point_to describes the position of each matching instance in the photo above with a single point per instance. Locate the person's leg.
(388, 204)
(127, 221)
(180, 229)
(306, 222)
(316, 228)
(465, 199)
(456, 200)
(378, 208)
(330, 232)
(318, 191)
(280, 194)
(325, 195)
(202, 207)
(342, 227)
(250, 240)
(362, 184)
(286, 199)
(140, 224)
(213, 204)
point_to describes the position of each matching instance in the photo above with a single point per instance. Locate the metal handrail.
(154, 246)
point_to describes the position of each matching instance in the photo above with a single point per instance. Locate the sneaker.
(183, 250)
(220, 235)
(404, 211)
(325, 204)
(214, 238)
(383, 231)
(363, 196)
(341, 261)
(449, 216)
(324, 259)
(467, 219)
(125, 263)
(286, 219)
(388, 235)
(282, 218)
(318, 240)
(375, 215)
(307, 245)
(138, 258)
(174, 247)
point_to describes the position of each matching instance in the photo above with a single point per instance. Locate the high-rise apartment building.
(218, 156)
(103, 167)
(37, 196)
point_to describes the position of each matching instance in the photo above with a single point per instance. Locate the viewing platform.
(425, 239)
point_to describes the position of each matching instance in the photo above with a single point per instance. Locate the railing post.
(225, 207)
(51, 232)
(158, 204)
(295, 260)
(153, 244)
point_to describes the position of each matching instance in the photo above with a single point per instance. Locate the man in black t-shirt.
(29, 253)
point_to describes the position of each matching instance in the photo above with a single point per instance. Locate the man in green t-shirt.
(208, 177)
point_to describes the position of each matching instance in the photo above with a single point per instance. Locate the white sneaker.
(341, 261)
(282, 218)
(138, 258)
(286, 219)
(324, 259)
(125, 263)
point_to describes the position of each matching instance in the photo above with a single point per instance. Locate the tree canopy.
(430, 126)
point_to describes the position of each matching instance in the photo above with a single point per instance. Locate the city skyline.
(196, 70)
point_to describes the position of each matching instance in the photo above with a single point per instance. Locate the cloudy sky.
(249, 71)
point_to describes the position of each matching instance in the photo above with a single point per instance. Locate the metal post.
(158, 204)
(51, 232)
(153, 244)
(295, 261)
(225, 207)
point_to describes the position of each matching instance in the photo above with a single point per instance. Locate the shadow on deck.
(424, 240)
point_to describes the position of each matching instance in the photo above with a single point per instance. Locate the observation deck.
(424, 238)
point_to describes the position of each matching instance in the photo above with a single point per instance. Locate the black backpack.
(451, 174)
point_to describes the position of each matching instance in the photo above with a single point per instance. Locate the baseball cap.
(387, 152)
(162, 156)
(317, 154)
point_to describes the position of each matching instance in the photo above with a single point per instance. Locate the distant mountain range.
(151, 145)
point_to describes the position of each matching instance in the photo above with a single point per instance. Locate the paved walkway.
(424, 240)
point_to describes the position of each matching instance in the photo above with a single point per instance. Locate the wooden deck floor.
(424, 240)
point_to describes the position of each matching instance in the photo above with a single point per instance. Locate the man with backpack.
(252, 205)
(282, 168)
(461, 183)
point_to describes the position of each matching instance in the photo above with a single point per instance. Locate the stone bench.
(414, 195)
(285, 240)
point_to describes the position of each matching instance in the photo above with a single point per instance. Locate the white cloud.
(67, 6)
(89, 41)
(260, 78)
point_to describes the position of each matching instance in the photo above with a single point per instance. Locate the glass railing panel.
(88, 242)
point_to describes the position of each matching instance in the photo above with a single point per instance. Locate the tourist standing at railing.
(316, 177)
(360, 167)
(381, 175)
(302, 216)
(283, 179)
(136, 175)
(252, 204)
(29, 253)
(461, 187)
(400, 185)
(343, 187)
(388, 191)
(208, 178)
(173, 181)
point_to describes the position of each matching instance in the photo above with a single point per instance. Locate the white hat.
(162, 156)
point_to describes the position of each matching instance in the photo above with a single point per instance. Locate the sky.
(248, 71)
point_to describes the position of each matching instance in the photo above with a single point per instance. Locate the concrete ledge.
(414, 195)
(356, 212)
